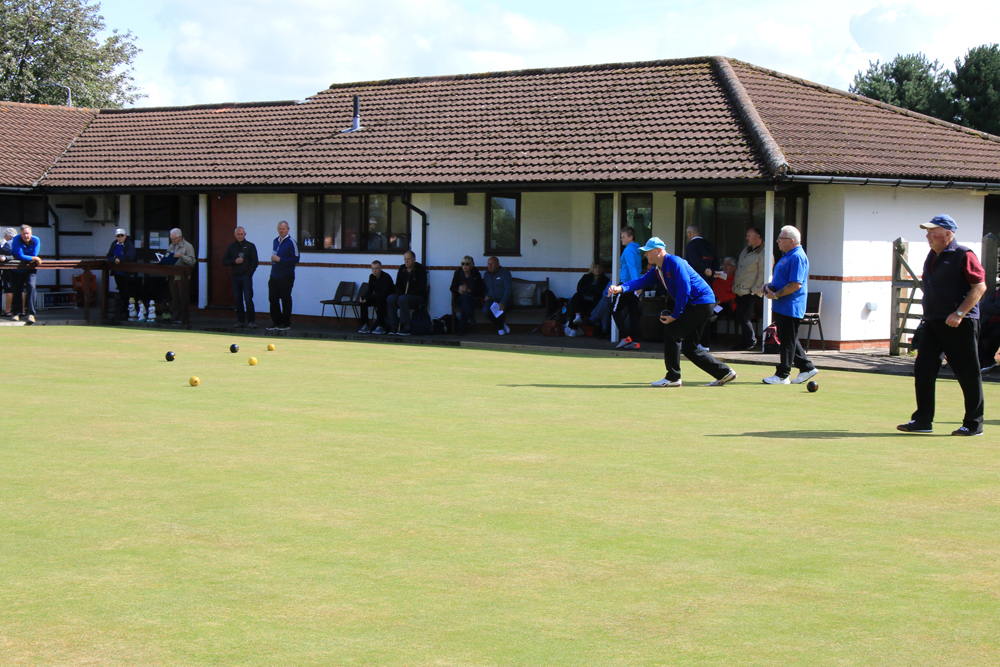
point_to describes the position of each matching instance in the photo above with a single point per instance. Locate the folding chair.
(814, 304)
(342, 299)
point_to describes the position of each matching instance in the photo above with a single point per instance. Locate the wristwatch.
(960, 313)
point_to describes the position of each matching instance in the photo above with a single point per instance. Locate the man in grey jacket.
(183, 252)
(748, 286)
(499, 288)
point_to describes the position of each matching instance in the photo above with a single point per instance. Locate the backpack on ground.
(420, 323)
(771, 343)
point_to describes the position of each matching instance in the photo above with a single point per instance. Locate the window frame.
(623, 218)
(600, 197)
(363, 231)
(21, 201)
(516, 252)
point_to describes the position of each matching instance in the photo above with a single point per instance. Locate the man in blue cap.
(694, 303)
(953, 283)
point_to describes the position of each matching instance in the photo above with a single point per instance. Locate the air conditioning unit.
(99, 208)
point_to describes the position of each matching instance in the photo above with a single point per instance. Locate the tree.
(56, 42)
(911, 82)
(977, 87)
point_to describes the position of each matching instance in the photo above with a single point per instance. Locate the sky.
(211, 51)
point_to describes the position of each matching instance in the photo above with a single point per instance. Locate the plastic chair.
(341, 299)
(814, 304)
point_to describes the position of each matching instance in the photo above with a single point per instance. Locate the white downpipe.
(768, 252)
(616, 225)
(203, 251)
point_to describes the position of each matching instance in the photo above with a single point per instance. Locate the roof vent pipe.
(356, 124)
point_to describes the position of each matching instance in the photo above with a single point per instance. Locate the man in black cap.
(953, 283)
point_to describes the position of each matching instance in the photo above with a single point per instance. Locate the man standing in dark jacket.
(123, 250)
(284, 257)
(242, 256)
(701, 255)
(380, 287)
(953, 283)
(411, 292)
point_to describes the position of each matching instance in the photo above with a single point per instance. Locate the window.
(17, 210)
(503, 224)
(604, 231)
(353, 223)
(724, 220)
(637, 213)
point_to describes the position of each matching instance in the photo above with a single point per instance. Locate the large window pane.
(333, 222)
(732, 220)
(352, 223)
(638, 215)
(399, 225)
(308, 215)
(604, 232)
(35, 213)
(502, 225)
(377, 237)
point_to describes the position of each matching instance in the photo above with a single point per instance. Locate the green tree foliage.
(911, 82)
(56, 41)
(977, 88)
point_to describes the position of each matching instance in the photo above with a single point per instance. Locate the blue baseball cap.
(652, 243)
(942, 221)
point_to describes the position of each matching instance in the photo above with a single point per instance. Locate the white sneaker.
(774, 379)
(506, 329)
(31, 319)
(379, 331)
(569, 332)
(502, 332)
(577, 321)
(804, 376)
(728, 377)
(666, 383)
(365, 329)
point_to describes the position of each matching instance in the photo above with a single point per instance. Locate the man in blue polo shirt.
(25, 248)
(694, 303)
(788, 290)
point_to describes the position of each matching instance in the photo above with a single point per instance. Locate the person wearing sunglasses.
(123, 250)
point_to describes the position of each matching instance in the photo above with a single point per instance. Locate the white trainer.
(666, 383)
(728, 377)
(774, 379)
(804, 376)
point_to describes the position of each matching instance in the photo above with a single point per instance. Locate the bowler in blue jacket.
(694, 303)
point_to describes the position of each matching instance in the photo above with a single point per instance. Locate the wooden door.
(221, 223)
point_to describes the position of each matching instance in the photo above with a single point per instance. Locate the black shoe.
(965, 430)
(913, 427)
(404, 331)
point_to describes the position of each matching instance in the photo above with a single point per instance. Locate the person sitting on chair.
(379, 288)
(589, 291)
(499, 288)
(467, 290)
(411, 292)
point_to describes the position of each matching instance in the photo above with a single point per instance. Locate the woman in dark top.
(466, 294)
(589, 291)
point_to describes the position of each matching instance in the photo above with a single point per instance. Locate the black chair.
(814, 304)
(355, 303)
(342, 299)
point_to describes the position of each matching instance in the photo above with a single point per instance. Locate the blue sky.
(205, 51)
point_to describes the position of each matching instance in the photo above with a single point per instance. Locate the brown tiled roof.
(650, 121)
(701, 119)
(33, 137)
(829, 132)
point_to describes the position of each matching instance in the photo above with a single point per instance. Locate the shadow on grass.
(824, 435)
(628, 385)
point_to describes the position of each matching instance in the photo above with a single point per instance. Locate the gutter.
(891, 182)
(8, 188)
(423, 226)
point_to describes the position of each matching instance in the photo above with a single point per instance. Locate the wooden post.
(899, 250)
(768, 258)
(105, 291)
(87, 277)
(989, 260)
(616, 224)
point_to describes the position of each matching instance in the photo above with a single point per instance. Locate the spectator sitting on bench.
(411, 292)
(589, 291)
(467, 292)
(379, 288)
(499, 287)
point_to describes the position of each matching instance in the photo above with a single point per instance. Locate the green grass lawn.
(364, 504)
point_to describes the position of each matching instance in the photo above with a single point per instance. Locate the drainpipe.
(423, 227)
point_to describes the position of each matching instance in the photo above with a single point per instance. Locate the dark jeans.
(405, 303)
(499, 321)
(580, 304)
(466, 312)
(128, 288)
(381, 310)
(682, 335)
(959, 344)
(989, 343)
(626, 304)
(279, 294)
(790, 352)
(23, 286)
(243, 295)
(744, 309)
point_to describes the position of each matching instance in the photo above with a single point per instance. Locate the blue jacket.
(25, 253)
(124, 251)
(630, 265)
(793, 267)
(288, 252)
(682, 282)
(499, 286)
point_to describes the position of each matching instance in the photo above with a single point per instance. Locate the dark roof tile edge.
(65, 150)
(61, 107)
(869, 101)
(698, 60)
(201, 107)
(769, 148)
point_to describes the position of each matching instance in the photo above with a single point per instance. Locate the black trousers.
(279, 293)
(682, 335)
(127, 289)
(381, 311)
(627, 305)
(791, 352)
(960, 344)
(744, 309)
